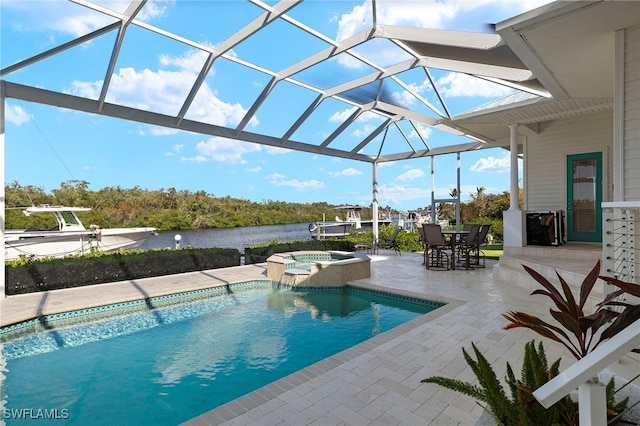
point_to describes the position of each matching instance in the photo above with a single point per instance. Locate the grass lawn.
(492, 251)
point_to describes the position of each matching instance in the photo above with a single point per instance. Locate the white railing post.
(620, 232)
(592, 403)
(592, 399)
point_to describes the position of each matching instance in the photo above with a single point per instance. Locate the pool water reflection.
(171, 364)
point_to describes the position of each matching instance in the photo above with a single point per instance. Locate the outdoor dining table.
(453, 238)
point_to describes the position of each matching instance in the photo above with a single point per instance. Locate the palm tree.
(479, 201)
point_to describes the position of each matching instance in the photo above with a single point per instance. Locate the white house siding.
(545, 157)
(631, 131)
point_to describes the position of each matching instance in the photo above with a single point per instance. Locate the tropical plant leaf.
(469, 389)
(611, 297)
(588, 283)
(573, 309)
(622, 321)
(626, 287)
(568, 321)
(521, 319)
(561, 305)
(578, 332)
(552, 291)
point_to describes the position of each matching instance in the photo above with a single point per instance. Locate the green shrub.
(408, 241)
(518, 406)
(28, 276)
(496, 230)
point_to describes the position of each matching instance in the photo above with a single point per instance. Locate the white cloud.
(78, 24)
(277, 179)
(191, 61)
(340, 116)
(456, 84)
(275, 150)
(17, 115)
(175, 149)
(254, 170)
(346, 172)
(410, 175)
(223, 150)
(424, 130)
(421, 196)
(492, 164)
(164, 91)
(364, 131)
(67, 18)
(398, 194)
(354, 21)
(275, 176)
(387, 164)
(196, 159)
(153, 9)
(157, 131)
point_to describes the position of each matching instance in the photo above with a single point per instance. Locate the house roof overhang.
(570, 48)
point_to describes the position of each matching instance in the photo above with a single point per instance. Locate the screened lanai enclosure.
(371, 92)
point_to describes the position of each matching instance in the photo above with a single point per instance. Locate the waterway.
(237, 238)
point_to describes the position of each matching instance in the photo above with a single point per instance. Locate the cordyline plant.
(630, 313)
(578, 332)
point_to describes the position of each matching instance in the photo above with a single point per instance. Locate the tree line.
(481, 205)
(172, 209)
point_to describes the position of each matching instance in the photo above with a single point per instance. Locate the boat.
(341, 227)
(69, 236)
(410, 219)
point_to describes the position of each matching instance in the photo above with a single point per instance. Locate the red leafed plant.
(629, 314)
(578, 332)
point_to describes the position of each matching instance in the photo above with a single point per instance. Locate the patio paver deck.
(376, 382)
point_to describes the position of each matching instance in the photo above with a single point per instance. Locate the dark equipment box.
(546, 228)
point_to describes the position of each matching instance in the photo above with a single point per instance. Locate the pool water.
(169, 365)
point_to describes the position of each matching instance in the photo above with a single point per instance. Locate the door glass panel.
(584, 195)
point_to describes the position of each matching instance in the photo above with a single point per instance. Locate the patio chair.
(468, 245)
(422, 240)
(391, 243)
(465, 227)
(482, 235)
(478, 260)
(436, 246)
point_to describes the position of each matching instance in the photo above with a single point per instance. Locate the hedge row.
(55, 274)
(258, 254)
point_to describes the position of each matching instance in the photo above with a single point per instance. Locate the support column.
(513, 219)
(513, 171)
(2, 194)
(458, 190)
(433, 191)
(618, 117)
(374, 206)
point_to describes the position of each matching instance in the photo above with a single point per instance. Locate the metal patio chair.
(467, 246)
(391, 243)
(436, 254)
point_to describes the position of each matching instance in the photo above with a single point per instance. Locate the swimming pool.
(171, 364)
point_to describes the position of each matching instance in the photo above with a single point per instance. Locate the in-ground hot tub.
(318, 268)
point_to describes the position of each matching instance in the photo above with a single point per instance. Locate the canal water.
(237, 238)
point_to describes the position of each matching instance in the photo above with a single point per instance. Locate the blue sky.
(46, 146)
